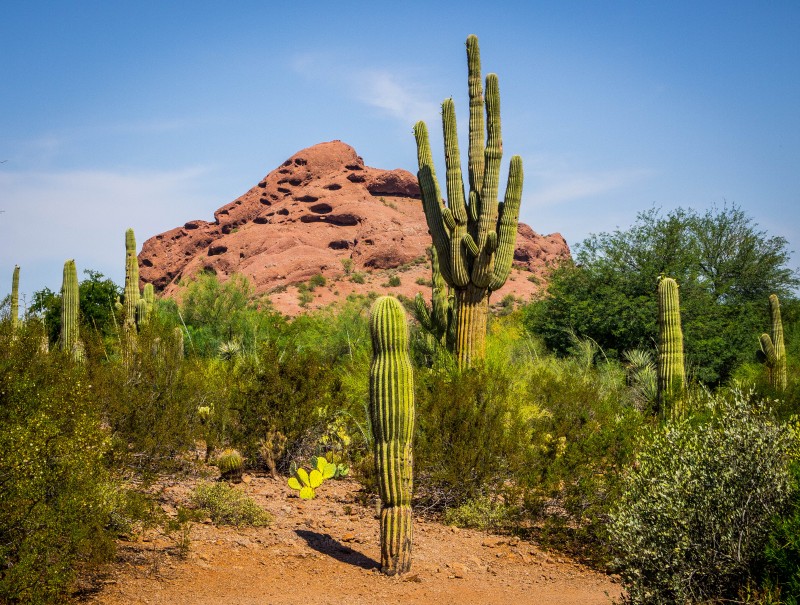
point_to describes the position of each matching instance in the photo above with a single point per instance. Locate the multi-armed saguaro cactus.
(439, 320)
(391, 410)
(15, 299)
(671, 374)
(772, 347)
(131, 279)
(70, 338)
(474, 236)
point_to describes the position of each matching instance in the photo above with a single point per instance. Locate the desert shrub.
(483, 514)
(779, 568)
(697, 506)
(317, 281)
(56, 495)
(218, 312)
(472, 437)
(150, 403)
(227, 505)
(358, 278)
(287, 391)
(584, 435)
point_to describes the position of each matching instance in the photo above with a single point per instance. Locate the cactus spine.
(70, 302)
(773, 348)
(439, 320)
(15, 299)
(474, 236)
(391, 410)
(671, 374)
(131, 279)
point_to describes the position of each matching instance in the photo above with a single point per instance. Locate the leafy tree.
(98, 296)
(218, 312)
(726, 268)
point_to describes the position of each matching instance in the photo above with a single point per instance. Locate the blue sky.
(150, 114)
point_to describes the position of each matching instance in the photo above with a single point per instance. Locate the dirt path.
(326, 551)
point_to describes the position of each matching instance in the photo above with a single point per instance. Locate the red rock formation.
(321, 206)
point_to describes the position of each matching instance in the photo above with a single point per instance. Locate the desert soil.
(326, 551)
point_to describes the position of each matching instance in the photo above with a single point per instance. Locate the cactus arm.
(770, 358)
(15, 298)
(476, 125)
(455, 195)
(507, 222)
(392, 418)
(483, 267)
(422, 313)
(432, 198)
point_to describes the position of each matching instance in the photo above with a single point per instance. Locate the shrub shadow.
(327, 545)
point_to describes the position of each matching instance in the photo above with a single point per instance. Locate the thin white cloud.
(553, 180)
(395, 92)
(49, 217)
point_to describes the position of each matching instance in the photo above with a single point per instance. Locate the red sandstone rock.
(321, 206)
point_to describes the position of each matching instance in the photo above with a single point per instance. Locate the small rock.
(492, 542)
(349, 537)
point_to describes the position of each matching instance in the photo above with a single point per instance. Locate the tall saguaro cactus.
(70, 303)
(772, 346)
(391, 410)
(671, 373)
(131, 279)
(474, 235)
(15, 299)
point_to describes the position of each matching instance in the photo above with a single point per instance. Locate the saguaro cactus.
(671, 374)
(438, 320)
(474, 236)
(391, 410)
(15, 299)
(772, 347)
(70, 304)
(131, 279)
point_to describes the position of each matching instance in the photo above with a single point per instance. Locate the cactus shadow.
(325, 544)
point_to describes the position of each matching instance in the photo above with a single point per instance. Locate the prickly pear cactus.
(306, 483)
(391, 410)
(773, 348)
(671, 374)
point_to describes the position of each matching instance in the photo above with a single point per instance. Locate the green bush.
(482, 513)
(284, 390)
(56, 496)
(228, 505)
(780, 565)
(584, 434)
(698, 503)
(472, 437)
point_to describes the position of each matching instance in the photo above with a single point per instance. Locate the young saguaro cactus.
(439, 320)
(15, 299)
(70, 303)
(131, 279)
(772, 346)
(391, 410)
(474, 235)
(671, 373)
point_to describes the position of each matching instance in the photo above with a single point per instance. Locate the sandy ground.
(326, 551)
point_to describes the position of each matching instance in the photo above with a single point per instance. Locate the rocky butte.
(319, 208)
